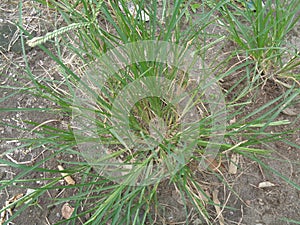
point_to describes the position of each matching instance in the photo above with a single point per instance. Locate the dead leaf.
(290, 112)
(213, 164)
(233, 164)
(217, 207)
(67, 211)
(265, 184)
(66, 177)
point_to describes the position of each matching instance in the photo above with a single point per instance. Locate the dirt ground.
(246, 203)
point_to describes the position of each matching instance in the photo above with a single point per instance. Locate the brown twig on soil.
(66, 176)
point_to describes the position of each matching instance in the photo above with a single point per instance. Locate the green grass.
(90, 30)
(262, 34)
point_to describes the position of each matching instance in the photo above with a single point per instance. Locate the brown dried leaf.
(213, 164)
(290, 112)
(233, 164)
(66, 211)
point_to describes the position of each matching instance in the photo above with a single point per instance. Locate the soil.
(247, 204)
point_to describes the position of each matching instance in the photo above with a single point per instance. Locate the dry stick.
(217, 207)
(21, 163)
(241, 219)
(66, 176)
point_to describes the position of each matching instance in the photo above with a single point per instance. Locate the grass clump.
(128, 147)
(262, 33)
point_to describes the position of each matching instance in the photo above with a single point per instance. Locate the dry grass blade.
(217, 207)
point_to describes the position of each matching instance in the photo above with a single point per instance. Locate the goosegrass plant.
(90, 29)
